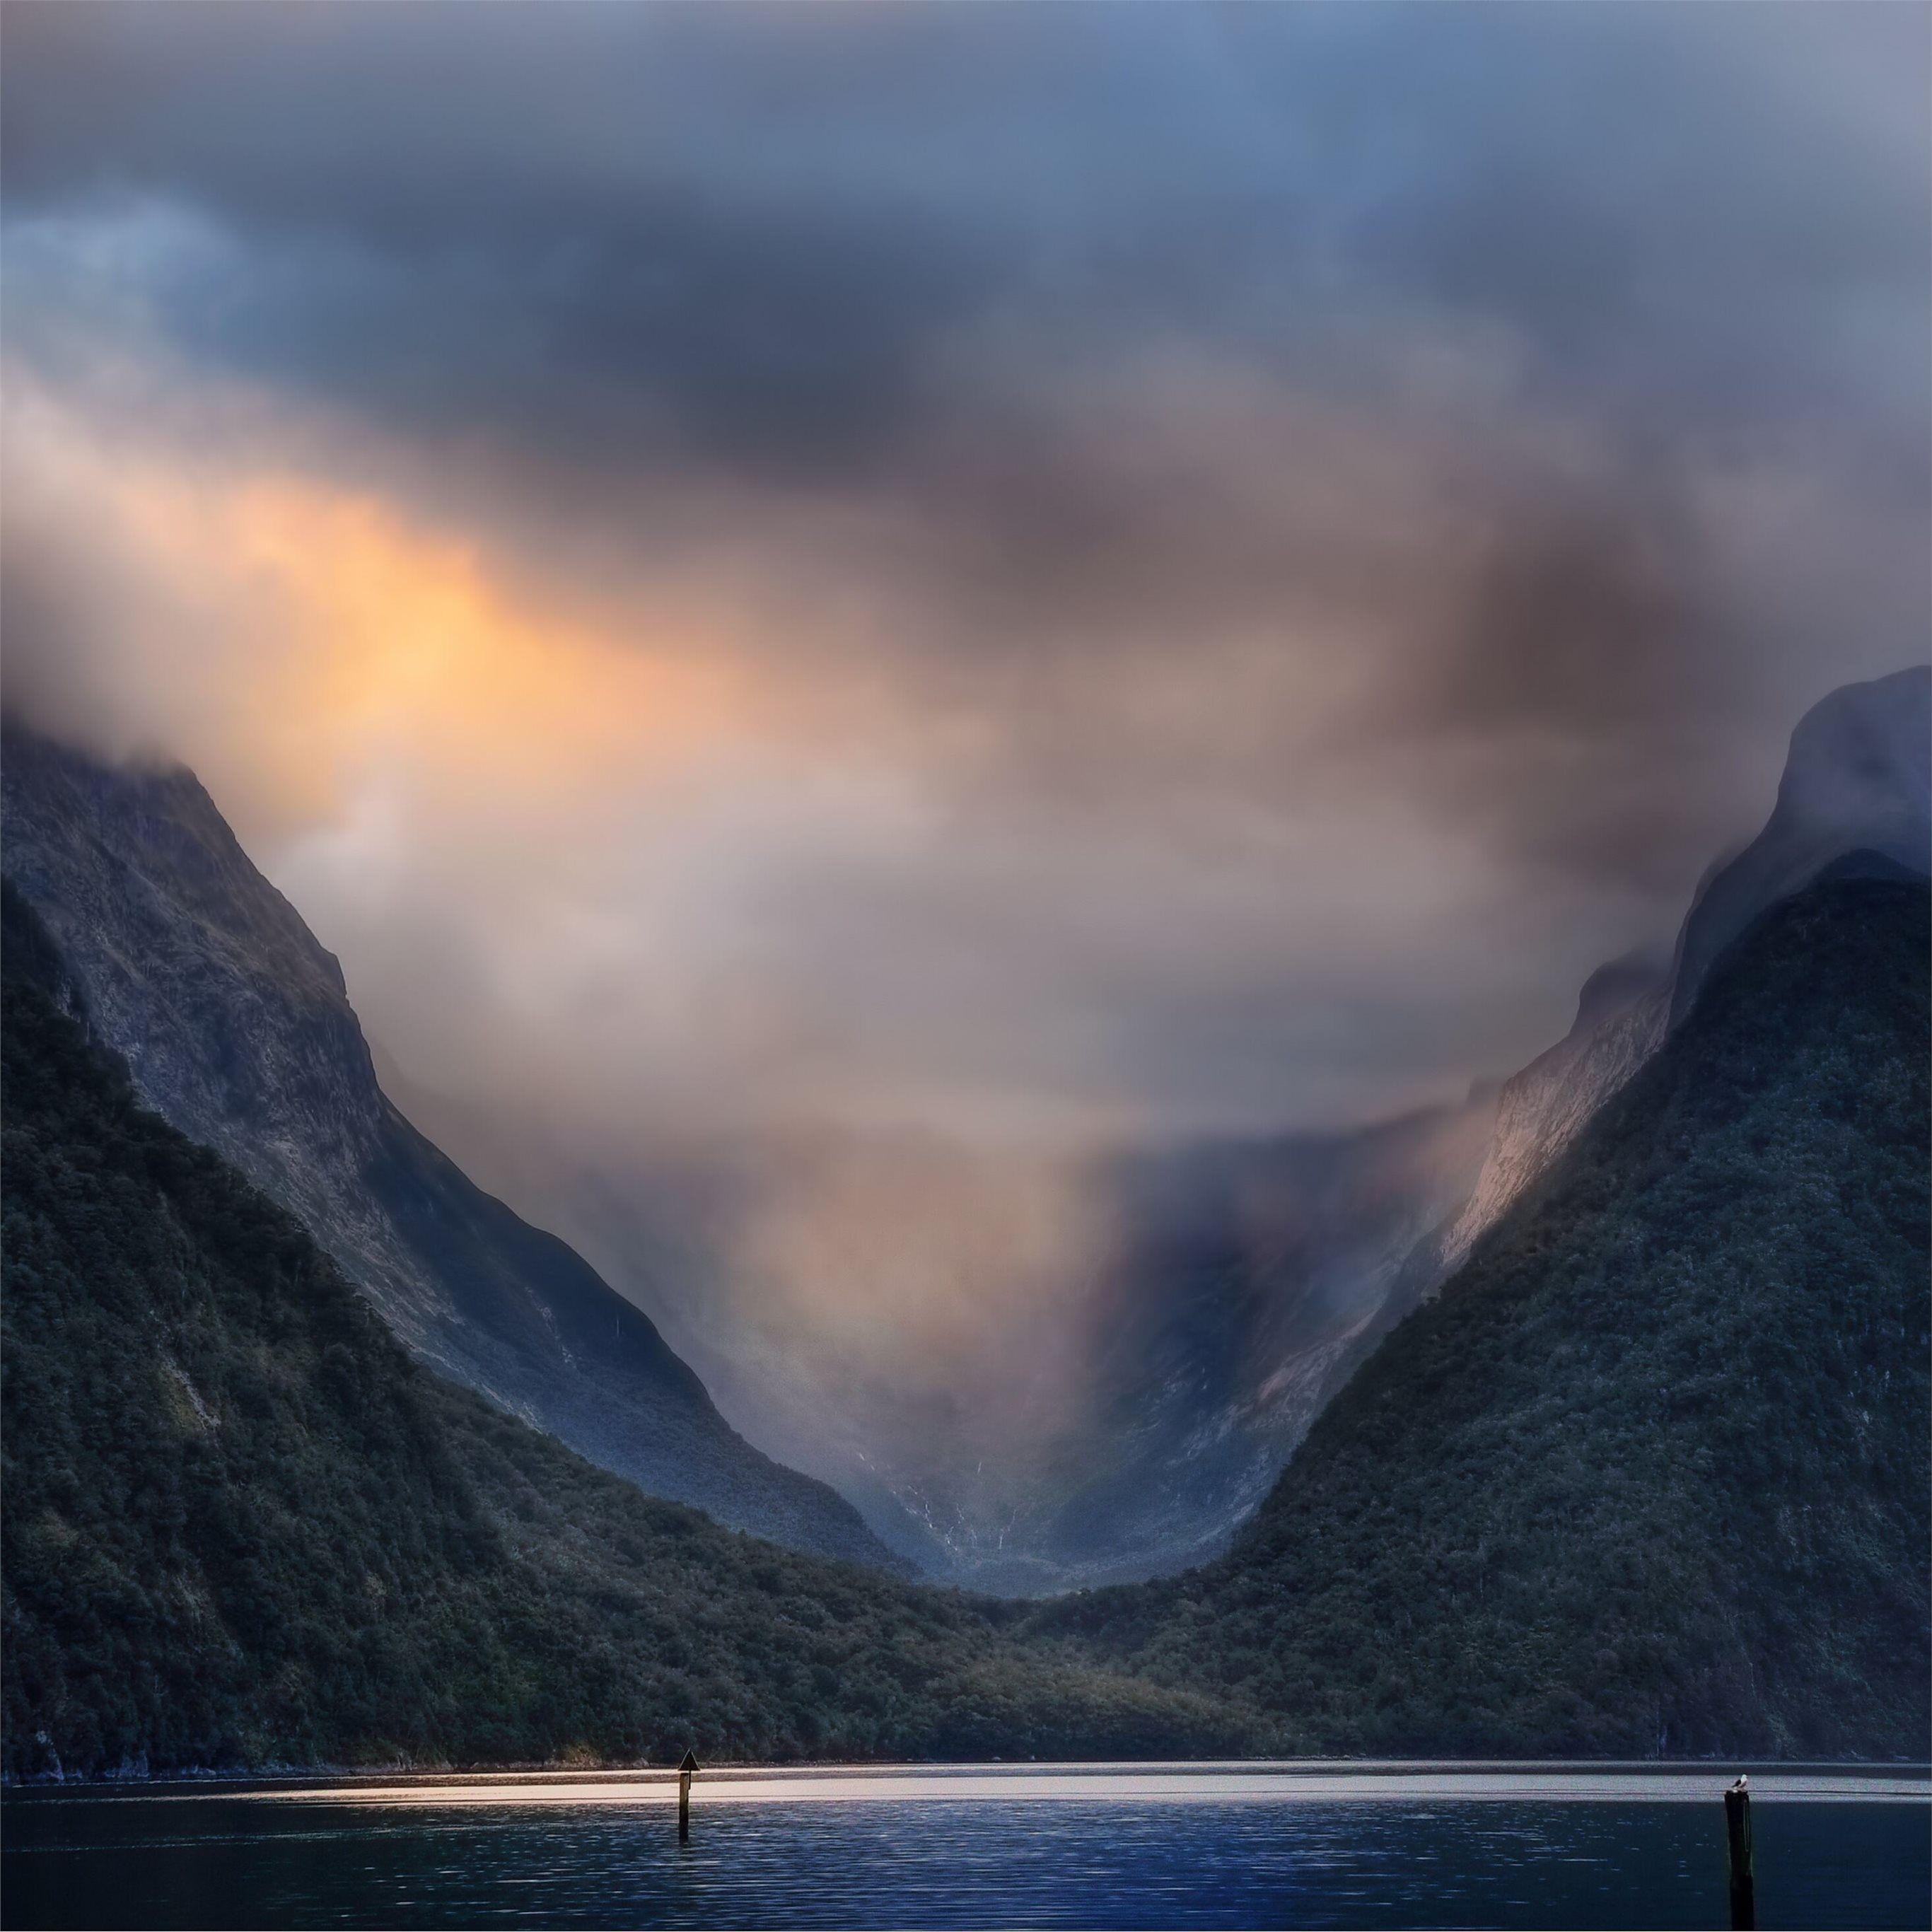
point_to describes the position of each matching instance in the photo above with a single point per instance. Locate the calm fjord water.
(1080, 1846)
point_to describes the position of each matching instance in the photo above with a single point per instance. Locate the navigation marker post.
(685, 1772)
(1737, 1832)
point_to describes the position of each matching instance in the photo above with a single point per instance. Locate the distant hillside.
(242, 1526)
(237, 1028)
(1253, 1277)
(1650, 1475)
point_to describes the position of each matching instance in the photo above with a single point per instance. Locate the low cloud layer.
(1026, 577)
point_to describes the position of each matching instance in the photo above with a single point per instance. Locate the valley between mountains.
(1588, 1415)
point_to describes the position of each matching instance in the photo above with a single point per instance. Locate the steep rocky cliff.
(1542, 1109)
(237, 1027)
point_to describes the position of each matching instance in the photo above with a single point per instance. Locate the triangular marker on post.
(685, 1771)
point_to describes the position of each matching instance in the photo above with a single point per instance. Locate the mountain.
(1649, 1475)
(1241, 1283)
(237, 1027)
(243, 1526)
(1855, 780)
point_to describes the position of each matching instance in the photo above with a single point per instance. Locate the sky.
(1006, 578)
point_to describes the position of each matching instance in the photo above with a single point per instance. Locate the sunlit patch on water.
(1124, 1784)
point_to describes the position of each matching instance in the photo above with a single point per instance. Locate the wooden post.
(1738, 1831)
(684, 1776)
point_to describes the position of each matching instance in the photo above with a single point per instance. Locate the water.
(1123, 1846)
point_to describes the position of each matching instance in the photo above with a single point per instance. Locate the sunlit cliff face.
(995, 581)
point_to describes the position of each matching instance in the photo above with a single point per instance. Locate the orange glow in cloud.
(284, 633)
(411, 637)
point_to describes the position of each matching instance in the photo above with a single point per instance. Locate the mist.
(838, 612)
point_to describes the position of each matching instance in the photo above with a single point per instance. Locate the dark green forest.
(1649, 1476)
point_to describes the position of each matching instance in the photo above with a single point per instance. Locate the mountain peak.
(1857, 778)
(1862, 754)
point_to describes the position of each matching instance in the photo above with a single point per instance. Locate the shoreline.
(645, 1778)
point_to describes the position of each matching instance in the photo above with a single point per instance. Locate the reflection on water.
(1130, 1846)
(1141, 1784)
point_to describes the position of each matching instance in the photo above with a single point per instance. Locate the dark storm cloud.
(570, 225)
(410, 236)
(1254, 425)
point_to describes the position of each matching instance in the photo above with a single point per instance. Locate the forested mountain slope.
(242, 1526)
(1650, 1475)
(238, 1029)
